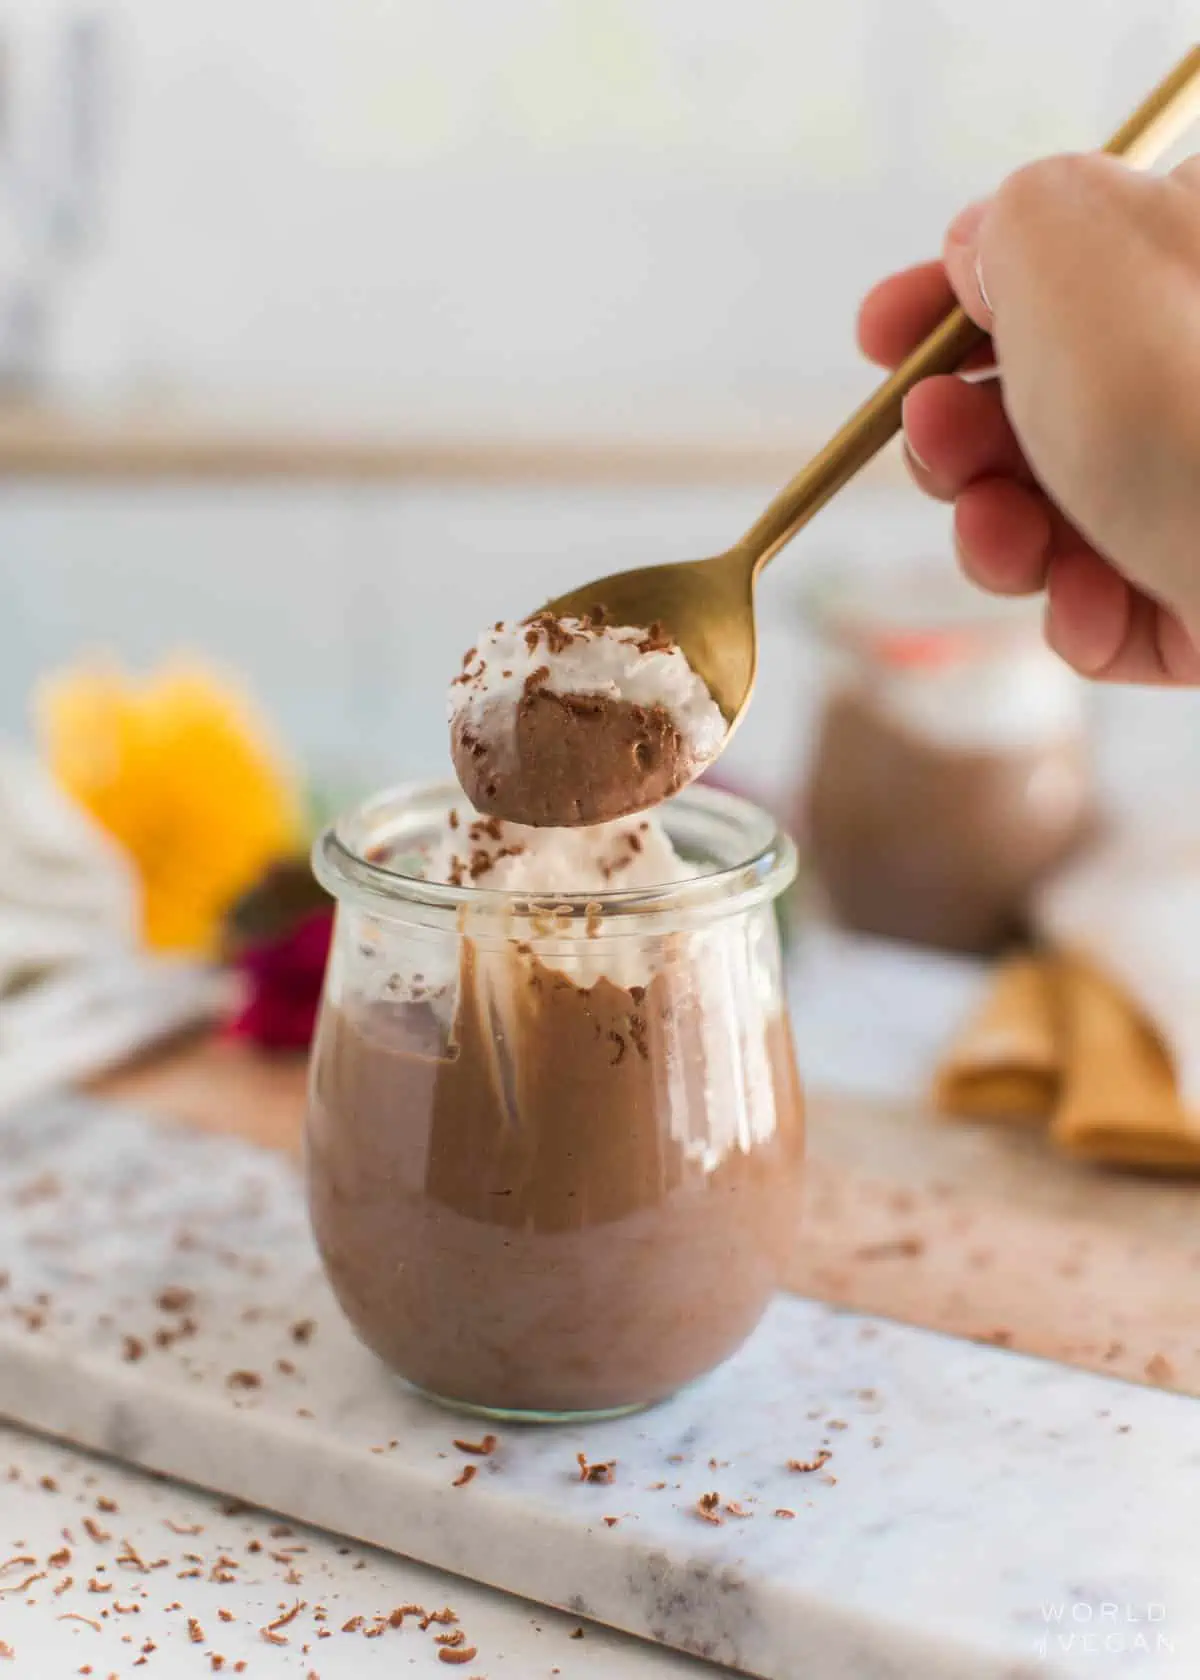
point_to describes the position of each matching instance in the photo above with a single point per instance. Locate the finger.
(1110, 632)
(903, 309)
(1157, 650)
(1187, 173)
(1004, 534)
(956, 432)
(964, 265)
(900, 311)
(1179, 654)
(1088, 611)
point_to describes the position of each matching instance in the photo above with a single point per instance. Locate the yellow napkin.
(1007, 1063)
(1120, 1101)
(1058, 1041)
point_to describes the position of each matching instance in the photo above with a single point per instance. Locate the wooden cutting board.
(973, 1230)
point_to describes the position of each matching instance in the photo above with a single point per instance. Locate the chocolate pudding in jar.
(555, 1138)
(951, 770)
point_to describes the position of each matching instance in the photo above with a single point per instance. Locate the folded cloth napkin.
(66, 890)
(76, 993)
(1099, 1037)
(1007, 1062)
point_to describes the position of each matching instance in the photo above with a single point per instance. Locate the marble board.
(979, 1512)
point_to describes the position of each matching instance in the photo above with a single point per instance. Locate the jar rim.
(766, 867)
(914, 614)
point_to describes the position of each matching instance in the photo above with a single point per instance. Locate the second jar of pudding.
(951, 768)
(555, 1144)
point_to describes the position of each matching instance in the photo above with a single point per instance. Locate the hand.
(1078, 471)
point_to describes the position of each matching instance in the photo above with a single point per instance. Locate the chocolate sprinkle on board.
(804, 1466)
(176, 1300)
(484, 1448)
(19, 1586)
(604, 1472)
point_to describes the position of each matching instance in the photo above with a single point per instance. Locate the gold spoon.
(708, 605)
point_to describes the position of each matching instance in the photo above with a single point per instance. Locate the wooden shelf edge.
(46, 447)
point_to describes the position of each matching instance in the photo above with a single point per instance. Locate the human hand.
(1078, 471)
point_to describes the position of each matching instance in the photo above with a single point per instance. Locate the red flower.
(284, 977)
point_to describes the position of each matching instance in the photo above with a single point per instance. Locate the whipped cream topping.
(585, 656)
(729, 977)
(539, 864)
(626, 855)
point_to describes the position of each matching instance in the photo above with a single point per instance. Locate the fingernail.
(965, 226)
(979, 281)
(1050, 627)
(912, 454)
(913, 457)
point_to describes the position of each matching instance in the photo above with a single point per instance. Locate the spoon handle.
(1141, 139)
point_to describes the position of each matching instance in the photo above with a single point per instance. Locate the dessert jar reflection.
(951, 769)
(554, 1148)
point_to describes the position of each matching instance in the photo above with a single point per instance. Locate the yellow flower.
(181, 772)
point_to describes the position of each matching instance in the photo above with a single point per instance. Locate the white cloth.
(66, 889)
(76, 993)
(1131, 905)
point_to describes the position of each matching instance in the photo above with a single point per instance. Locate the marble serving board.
(161, 1303)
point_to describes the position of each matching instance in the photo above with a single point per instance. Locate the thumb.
(964, 267)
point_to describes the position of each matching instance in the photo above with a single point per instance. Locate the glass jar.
(554, 1147)
(951, 767)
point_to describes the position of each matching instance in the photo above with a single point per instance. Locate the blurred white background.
(540, 213)
(549, 219)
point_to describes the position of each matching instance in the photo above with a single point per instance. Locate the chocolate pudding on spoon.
(566, 722)
(556, 1133)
